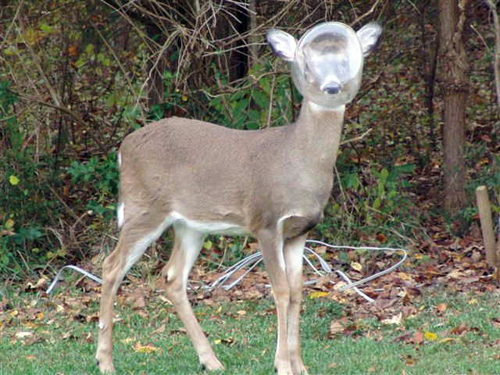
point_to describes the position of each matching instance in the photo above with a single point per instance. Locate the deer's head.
(327, 61)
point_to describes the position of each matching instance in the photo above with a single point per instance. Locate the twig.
(62, 109)
(358, 138)
(36, 60)
(112, 51)
(68, 208)
(271, 98)
(21, 3)
(360, 18)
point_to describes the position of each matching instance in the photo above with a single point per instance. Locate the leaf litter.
(457, 266)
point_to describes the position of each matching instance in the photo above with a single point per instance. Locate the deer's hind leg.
(188, 243)
(136, 235)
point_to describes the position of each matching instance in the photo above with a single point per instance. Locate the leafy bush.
(100, 176)
(368, 201)
(25, 206)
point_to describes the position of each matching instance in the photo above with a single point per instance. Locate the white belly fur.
(211, 227)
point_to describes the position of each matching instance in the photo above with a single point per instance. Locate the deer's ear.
(282, 43)
(368, 36)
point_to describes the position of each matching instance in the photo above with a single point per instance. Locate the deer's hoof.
(212, 365)
(287, 370)
(105, 368)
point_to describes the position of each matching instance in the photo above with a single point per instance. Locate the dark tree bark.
(429, 53)
(455, 86)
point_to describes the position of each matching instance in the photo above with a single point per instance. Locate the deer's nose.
(332, 88)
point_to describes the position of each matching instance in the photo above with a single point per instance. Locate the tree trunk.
(496, 64)
(455, 85)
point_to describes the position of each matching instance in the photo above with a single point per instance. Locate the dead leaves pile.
(456, 267)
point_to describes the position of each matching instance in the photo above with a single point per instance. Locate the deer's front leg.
(294, 250)
(271, 243)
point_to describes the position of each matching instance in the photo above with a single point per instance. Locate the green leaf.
(260, 98)
(406, 168)
(46, 28)
(14, 180)
(351, 181)
(89, 49)
(384, 173)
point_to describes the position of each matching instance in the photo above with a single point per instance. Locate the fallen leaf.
(149, 348)
(382, 238)
(418, 338)
(430, 336)
(396, 319)
(39, 285)
(460, 330)
(73, 50)
(68, 336)
(404, 276)
(441, 308)
(314, 295)
(336, 327)
(160, 330)
(24, 334)
(455, 274)
(228, 342)
(128, 340)
(496, 322)
(31, 325)
(448, 339)
(357, 266)
(410, 361)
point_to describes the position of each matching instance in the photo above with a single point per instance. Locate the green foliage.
(23, 203)
(101, 178)
(371, 199)
(248, 106)
(174, 99)
(7, 98)
(244, 107)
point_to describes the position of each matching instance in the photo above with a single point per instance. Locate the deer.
(272, 184)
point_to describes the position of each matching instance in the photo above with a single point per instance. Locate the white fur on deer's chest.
(211, 227)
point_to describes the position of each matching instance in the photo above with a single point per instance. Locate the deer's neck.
(319, 129)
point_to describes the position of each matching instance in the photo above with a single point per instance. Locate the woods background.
(77, 76)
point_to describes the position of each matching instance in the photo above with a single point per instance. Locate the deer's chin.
(330, 101)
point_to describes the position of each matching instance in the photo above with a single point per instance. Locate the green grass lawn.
(447, 334)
